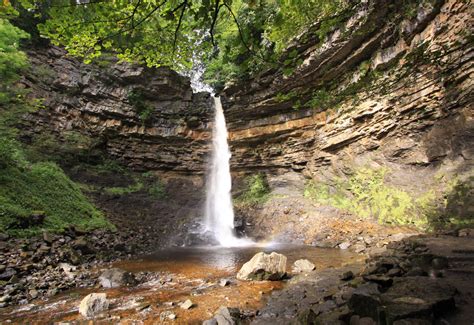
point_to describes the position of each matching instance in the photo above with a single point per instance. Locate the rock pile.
(43, 266)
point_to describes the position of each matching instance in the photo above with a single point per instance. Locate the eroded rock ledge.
(149, 119)
(413, 116)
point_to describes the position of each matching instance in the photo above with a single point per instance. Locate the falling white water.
(219, 210)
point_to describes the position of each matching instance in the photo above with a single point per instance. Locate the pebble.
(187, 304)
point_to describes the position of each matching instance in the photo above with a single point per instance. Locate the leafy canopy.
(235, 38)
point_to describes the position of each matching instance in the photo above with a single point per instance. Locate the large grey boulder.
(93, 304)
(113, 278)
(264, 267)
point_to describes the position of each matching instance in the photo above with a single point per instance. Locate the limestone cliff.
(149, 119)
(390, 88)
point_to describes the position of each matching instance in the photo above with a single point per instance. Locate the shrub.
(44, 187)
(365, 194)
(256, 191)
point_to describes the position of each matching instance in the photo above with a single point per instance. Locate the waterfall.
(219, 210)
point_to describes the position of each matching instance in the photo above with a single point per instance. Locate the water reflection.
(230, 259)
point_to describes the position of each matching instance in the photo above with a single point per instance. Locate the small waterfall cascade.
(219, 210)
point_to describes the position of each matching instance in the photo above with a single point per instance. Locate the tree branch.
(184, 4)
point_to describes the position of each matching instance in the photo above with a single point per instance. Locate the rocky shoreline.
(43, 266)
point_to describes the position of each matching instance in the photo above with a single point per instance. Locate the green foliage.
(365, 194)
(256, 191)
(125, 190)
(280, 97)
(44, 187)
(157, 190)
(137, 100)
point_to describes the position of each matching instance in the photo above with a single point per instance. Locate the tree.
(236, 38)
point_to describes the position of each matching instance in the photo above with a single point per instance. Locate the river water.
(184, 273)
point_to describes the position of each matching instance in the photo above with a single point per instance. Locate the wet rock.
(417, 297)
(348, 275)
(365, 300)
(188, 304)
(227, 316)
(306, 317)
(93, 304)
(114, 278)
(301, 266)
(264, 267)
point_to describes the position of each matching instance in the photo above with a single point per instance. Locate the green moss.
(365, 194)
(44, 187)
(281, 97)
(157, 190)
(125, 190)
(144, 110)
(256, 191)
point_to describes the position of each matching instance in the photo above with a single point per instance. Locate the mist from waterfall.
(219, 209)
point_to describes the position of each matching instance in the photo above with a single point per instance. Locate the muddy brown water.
(185, 273)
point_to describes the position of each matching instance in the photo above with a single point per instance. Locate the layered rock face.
(413, 117)
(149, 119)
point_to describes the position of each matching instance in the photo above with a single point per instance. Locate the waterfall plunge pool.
(183, 273)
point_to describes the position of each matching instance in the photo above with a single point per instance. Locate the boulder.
(301, 266)
(365, 300)
(264, 267)
(93, 304)
(113, 278)
(227, 316)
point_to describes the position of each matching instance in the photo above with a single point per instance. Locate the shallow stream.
(181, 274)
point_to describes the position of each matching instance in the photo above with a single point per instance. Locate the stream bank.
(165, 280)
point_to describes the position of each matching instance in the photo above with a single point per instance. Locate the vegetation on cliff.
(33, 196)
(236, 38)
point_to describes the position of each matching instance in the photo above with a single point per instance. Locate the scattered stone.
(346, 276)
(93, 304)
(465, 232)
(227, 316)
(47, 237)
(302, 266)
(187, 304)
(264, 267)
(384, 281)
(394, 272)
(167, 315)
(359, 248)
(113, 278)
(7, 274)
(224, 282)
(345, 245)
(142, 307)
